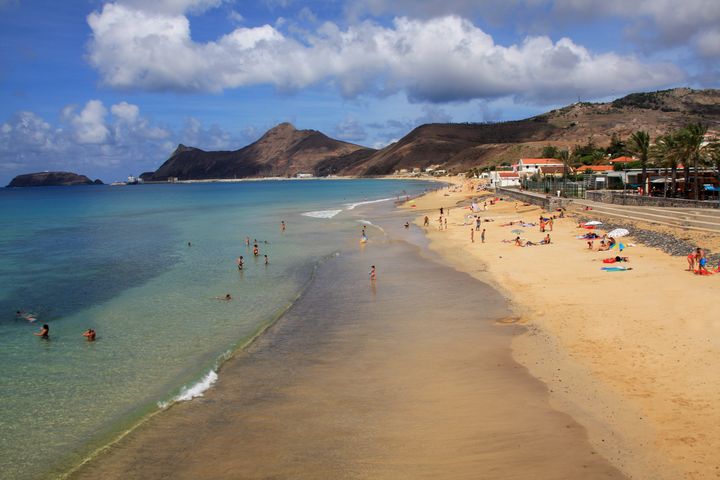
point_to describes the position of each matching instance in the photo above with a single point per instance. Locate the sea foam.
(351, 206)
(322, 213)
(195, 390)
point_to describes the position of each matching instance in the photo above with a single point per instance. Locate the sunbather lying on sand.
(617, 259)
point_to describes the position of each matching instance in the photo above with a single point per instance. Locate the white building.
(530, 166)
(504, 179)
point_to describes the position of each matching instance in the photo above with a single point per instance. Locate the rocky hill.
(282, 151)
(285, 151)
(51, 179)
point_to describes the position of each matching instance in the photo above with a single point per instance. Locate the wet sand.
(411, 378)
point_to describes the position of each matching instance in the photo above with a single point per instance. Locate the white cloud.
(89, 124)
(84, 141)
(709, 43)
(440, 59)
(127, 112)
(350, 130)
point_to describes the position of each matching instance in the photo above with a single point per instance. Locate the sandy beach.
(409, 377)
(631, 355)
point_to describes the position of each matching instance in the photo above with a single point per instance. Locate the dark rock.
(51, 179)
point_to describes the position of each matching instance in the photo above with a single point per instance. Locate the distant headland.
(51, 179)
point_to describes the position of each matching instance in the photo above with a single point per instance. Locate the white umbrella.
(618, 232)
(593, 222)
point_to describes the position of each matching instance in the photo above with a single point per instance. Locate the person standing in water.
(44, 332)
(89, 334)
(267, 261)
(372, 273)
(282, 225)
(240, 262)
(247, 241)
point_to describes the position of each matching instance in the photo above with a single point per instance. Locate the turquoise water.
(117, 259)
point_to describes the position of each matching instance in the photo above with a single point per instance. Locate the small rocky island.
(51, 179)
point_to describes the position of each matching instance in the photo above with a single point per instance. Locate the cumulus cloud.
(87, 139)
(350, 130)
(657, 24)
(439, 59)
(89, 125)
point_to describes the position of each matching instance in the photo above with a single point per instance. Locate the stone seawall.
(547, 202)
(618, 198)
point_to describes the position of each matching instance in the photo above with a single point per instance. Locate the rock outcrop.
(51, 179)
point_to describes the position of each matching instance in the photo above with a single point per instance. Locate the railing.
(553, 185)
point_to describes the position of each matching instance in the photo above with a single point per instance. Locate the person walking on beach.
(441, 211)
(472, 235)
(478, 220)
(445, 223)
(89, 334)
(426, 223)
(240, 262)
(372, 273)
(44, 332)
(482, 236)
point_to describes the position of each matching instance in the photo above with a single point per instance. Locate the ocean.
(145, 267)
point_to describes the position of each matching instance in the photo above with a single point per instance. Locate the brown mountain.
(282, 151)
(285, 151)
(459, 147)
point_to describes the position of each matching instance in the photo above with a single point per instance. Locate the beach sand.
(633, 356)
(410, 378)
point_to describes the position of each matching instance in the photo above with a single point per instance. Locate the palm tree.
(667, 150)
(640, 147)
(564, 156)
(692, 141)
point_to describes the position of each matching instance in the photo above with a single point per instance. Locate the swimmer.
(226, 297)
(282, 225)
(240, 262)
(372, 273)
(189, 244)
(247, 241)
(30, 317)
(407, 225)
(44, 332)
(267, 261)
(256, 251)
(89, 334)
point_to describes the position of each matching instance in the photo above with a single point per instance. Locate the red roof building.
(613, 161)
(595, 168)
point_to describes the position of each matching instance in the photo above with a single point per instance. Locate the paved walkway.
(701, 219)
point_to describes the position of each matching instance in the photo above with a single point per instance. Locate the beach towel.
(616, 269)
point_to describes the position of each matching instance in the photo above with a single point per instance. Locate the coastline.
(351, 384)
(629, 355)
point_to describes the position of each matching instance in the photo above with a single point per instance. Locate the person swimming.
(372, 273)
(267, 261)
(44, 332)
(240, 262)
(256, 250)
(30, 317)
(89, 334)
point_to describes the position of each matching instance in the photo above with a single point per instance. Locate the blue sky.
(109, 89)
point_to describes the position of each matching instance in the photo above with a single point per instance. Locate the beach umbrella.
(618, 232)
(593, 222)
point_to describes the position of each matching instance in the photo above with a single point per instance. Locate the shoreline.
(312, 400)
(617, 353)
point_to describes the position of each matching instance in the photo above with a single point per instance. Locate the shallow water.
(117, 260)
(409, 376)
